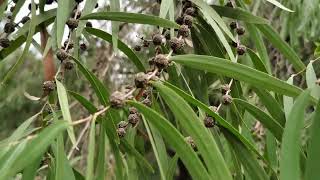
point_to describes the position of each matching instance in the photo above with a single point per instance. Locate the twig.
(79, 139)
(91, 117)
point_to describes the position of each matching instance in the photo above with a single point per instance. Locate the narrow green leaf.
(91, 151)
(237, 71)
(115, 7)
(176, 140)
(311, 79)
(288, 101)
(88, 7)
(84, 102)
(64, 105)
(131, 18)
(291, 139)
(121, 46)
(257, 62)
(279, 5)
(101, 164)
(63, 13)
(17, 8)
(3, 7)
(191, 123)
(31, 171)
(172, 167)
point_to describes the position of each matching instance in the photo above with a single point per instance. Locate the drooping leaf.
(115, 7)
(91, 151)
(63, 12)
(279, 5)
(311, 79)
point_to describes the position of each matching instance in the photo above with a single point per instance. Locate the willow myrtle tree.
(167, 113)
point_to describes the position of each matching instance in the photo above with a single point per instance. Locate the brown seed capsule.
(133, 110)
(226, 99)
(190, 11)
(241, 50)
(134, 119)
(72, 23)
(190, 141)
(176, 44)
(9, 27)
(157, 39)
(209, 122)
(121, 132)
(83, 46)
(70, 45)
(147, 102)
(122, 124)
(161, 61)
(233, 25)
(68, 65)
(137, 48)
(88, 24)
(151, 61)
(240, 31)
(62, 55)
(146, 43)
(187, 20)
(183, 31)
(117, 99)
(4, 42)
(25, 19)
(141, 80)
(225, 88)
(179, 20)
(48, 86)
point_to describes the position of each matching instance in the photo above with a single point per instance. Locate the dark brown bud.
(4, 42)
(62, 55)
(121, 132)
(83, 46)
(137, 48)
(191, 11)
(134, 119)
(133, 110)
(183, 31)
(25, 19)
(241, 50)
(157, 39)
(72, 23)
(176, 44)
(123, 124)
(141, 80)
(240, 31)
(190, 141)
(233, 25)
(68, 65)
(117, 99)
(48, 86)
(226, 99)
(187, 20)
(209, 122)
(146, 43)
(161, 61)
(88, 24)
(9, 27)
(179, 20)
(147, 102)
(225, 88)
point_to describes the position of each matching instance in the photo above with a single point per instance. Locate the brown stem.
(48, 60)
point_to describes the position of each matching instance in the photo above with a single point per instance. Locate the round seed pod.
(137, 48)
(191, 11)
(183, 31)
(4, 42)
(209, 122)
(241, 50)
(133, 110)
(88, 24)
(49, 1)
(240, 31)
(225, 88)
(226, 99)
(190, 141)
(117, 99)
(176, 44)
(134, 119)
(68, 65)
(48, 86)
(25, 19)
(141, 80)
(233, 25)
(147, 102)
(157, 39)
(123, 124)
(83, 46)
(121, 132)
(62, 55)
(145, 43)
(187, 20)
(179, 20)
(161, 61)
(9, 27)
(72, 23)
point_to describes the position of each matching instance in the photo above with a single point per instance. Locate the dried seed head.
(48, 86)
(183, 31)
(133, 110)
(179, 20)
(157, 39)
(233, 25)
(134, 119)
(209, 122)
(70, 46)
(123, 124)
(141, 80)
(151, 61)
(167, 35)
(9, 27)
(121, 132)
(83, 46)
(190, 141)
(146, 43)
(225, 88)
(241, 50)
(176, 44)
(117, 99)
(147, 102)
(187, 20)
(88, 24)
(240, 31)
(226, 99)
(4, 42)
(137, 48)
(191, 11)
(49, 1)
(62, 55)
(72, 23)
(68, 65)
(25, 19)
(161, 61)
